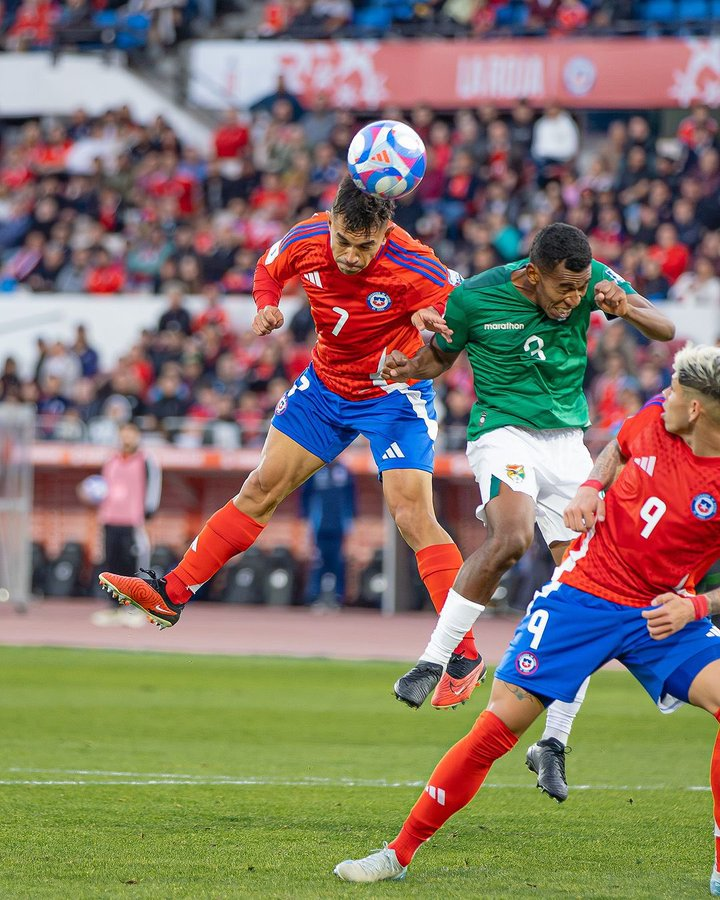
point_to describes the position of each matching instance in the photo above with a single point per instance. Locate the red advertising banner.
(610, 73)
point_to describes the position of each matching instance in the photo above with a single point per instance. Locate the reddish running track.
(246, 630)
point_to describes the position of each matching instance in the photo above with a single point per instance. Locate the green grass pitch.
(136, 775)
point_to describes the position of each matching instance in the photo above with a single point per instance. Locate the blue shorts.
(568, 634)
(400, 426)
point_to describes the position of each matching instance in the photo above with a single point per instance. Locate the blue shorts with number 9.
(400, 426)
(567, 634)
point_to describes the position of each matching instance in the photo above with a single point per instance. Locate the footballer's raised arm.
(648, 319)
(273, 270)
(617, 297)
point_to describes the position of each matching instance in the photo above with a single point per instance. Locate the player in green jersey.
(524, 329)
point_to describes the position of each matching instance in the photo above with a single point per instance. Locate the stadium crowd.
(139, 25)
(106, 205)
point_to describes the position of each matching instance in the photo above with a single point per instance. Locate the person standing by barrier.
(328, 503)
(133, 484)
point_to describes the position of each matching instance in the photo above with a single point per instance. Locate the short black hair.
(361, 212)
(558, 243)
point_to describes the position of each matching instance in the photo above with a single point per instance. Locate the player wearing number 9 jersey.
(662, 511)
(624, 592)
(371, 288)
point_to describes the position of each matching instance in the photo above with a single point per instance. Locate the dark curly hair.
(558, 243)
(361, 213)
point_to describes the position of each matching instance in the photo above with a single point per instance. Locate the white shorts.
(546, 465)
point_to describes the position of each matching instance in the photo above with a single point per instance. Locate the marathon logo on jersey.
(379, 301)
(281, 405)
(503, 326)
(515, 472)
(704, 506)
(526, 663)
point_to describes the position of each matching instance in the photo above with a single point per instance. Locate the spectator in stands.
(694, 128)
(556, 140)
(522, 119)
(73, 276)
(684, 219)
(319, 120)
(85, 353)
(698, 287)
(231, 137)
(541, 13)
(62, 364)
(75, 25)
(570, 16)
(673, 256)
(214, 313)
(655, 285)
(52, 403)
(105, 275)
(43, 278)
(169, 397)
(267, 104)
(175, 317)
(651, 380)
(10, 380)
(85, 400)
(32, 26)
(26, 260)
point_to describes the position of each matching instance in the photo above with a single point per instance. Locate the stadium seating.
(246, 579)
(281, 577)
(63, 576)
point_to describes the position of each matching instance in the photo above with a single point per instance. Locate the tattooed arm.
(587, 506)
(673, 611)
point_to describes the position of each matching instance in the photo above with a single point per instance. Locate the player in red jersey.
(624, 591)
(371, 288)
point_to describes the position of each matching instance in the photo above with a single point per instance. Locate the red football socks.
(438, 565)
(453, 784)
(225, 534)
(715, 788)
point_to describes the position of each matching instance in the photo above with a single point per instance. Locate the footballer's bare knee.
(504, 548)
(704, 691)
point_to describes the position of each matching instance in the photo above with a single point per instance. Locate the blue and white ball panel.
(568, 634)
(387, 158)
(401, 427)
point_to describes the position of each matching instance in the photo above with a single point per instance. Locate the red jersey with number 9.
(662, 519)
(359, 318)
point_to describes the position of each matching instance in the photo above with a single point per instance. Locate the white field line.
(100, 777)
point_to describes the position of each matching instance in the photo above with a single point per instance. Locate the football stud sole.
(124, 600)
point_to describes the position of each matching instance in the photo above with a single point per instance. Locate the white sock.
(560, 716)
(456, 618)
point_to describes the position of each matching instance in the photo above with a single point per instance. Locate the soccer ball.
(93, 490)
(387, 159)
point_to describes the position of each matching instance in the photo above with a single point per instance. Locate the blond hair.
(698, 368)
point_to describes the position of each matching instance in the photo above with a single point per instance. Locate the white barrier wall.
(113, 323)
(32, 85)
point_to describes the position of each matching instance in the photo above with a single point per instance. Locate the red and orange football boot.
(461, 678)
(147, 594)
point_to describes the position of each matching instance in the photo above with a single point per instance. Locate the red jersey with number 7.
(662, 519)
(359, 318)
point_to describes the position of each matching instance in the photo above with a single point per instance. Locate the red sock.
(453, 784)
(715, 788)
(225, 534)
(438, 565)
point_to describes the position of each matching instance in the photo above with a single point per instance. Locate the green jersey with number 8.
(528, 368)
